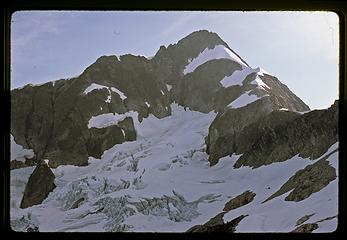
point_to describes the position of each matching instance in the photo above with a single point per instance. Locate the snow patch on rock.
(120, 93)
(93, 87)
(243, 100)
(218, 52)
(108, 119)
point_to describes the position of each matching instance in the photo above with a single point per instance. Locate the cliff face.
(266, 136)
(52, 119)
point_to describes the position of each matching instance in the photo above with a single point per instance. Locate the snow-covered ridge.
(218, 52)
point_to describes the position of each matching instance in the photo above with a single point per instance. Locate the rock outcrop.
(303, 219)
(309, 180)
(216, 224)
(310, 135)
(306, 228)
(239, 201)
(271, 136)
(40, 184)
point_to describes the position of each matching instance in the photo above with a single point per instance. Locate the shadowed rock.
(40, 184)
(309, 180)
(239, 201)
(216, 224)
(277, 138)
(303, 219)
(306, 228)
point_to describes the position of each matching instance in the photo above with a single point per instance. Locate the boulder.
(40, 184)
(239, 201)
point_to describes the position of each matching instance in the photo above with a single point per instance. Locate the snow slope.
(237, 77)
(18, 152)
(217, 52)
(163, 183)
(243, 100)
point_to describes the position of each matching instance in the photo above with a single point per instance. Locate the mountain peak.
(202, 35)
(195, 103)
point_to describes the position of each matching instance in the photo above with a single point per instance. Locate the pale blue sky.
(300, 48)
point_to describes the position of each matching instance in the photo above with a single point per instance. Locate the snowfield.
(162, 182)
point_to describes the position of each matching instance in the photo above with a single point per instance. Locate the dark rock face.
(202, 91)
(53, 120)
(40, 184)
(216, 224)
(239, 201)
(309, 180)
(15, 164)
(230, 124)
(281, 96)
(168, 63)
(288, 134)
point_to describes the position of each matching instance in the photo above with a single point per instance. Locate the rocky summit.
(193, 139)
